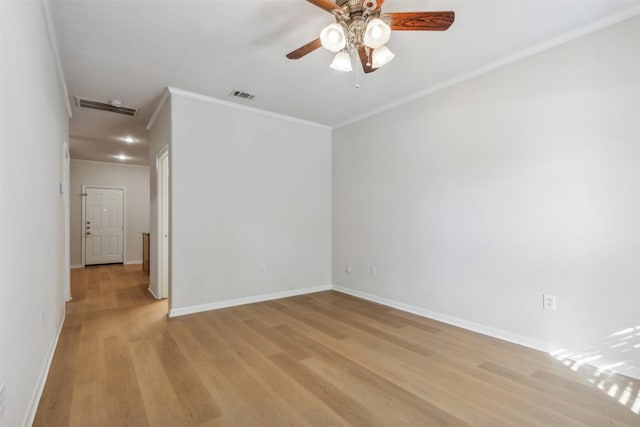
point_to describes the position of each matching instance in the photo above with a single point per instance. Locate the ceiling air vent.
(114, 106)
(241, 94)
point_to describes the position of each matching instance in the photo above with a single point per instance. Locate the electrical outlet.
(347, 268)
(372, 270)
(3, 399)
(548, 302)
(263, 268)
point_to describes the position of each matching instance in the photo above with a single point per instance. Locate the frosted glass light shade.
(341, 62)
(377, 33)
(333, 38)
(381, 56)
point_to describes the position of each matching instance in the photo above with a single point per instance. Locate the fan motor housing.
(353, 7)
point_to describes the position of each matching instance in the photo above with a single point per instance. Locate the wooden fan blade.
(307, 48)
(363, 59)
(421, 21)
(327, 5)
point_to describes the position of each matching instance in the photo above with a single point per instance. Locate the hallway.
(108, 327)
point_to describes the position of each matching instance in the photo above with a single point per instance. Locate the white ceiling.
(132, 50)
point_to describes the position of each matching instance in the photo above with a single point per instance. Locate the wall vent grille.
(103, 106)
(240, 94)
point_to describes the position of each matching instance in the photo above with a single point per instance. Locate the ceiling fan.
(360, 26)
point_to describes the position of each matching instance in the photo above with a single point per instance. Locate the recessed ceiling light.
(122, 157)
(128, 139)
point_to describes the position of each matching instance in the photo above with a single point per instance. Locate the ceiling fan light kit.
(342, 62)
(377, 33)
(361, 27)
(333, 38)
(381, 55)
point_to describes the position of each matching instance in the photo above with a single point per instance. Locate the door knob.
(88, 232)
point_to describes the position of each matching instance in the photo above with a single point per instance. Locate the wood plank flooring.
(325, 359)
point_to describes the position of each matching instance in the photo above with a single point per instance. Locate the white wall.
(135, 179)
(474, 201)
(33, 128)
(247, 189)
(159, 137)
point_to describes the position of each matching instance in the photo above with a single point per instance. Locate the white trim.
(605, 365)
(109, 163)
(83, 222)
(217, 101)
(174, 312)
(65, 187)
(163, 100)
(160, 196)
(556, 41)
(509, 59)
(511, 337)
(55, 52)
(133, 262)
(451, 320)
(153, 293)
(37, 392)
(74, 266)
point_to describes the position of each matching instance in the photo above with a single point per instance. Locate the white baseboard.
(629, 371)
(44, 373)
(174, 312)
(153, 293)
(612, 366)
(135, 261)
(451, 320)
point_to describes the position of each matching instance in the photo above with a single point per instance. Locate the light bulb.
(377, 33)
(333, 38)
(341, 62)
(381, 56)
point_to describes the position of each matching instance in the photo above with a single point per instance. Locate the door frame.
(164, 289)
(65, 189)
(84, 218)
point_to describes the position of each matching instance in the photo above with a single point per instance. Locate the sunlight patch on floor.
(623, 342)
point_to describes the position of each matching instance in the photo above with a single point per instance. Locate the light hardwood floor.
(320, 360)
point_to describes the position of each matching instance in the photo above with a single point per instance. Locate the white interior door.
(104, 225)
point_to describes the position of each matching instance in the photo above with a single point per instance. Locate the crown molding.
(156, 112)
(217, 101)
(55, 52)
(541, 47)
(172, 91)
(102, 162)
